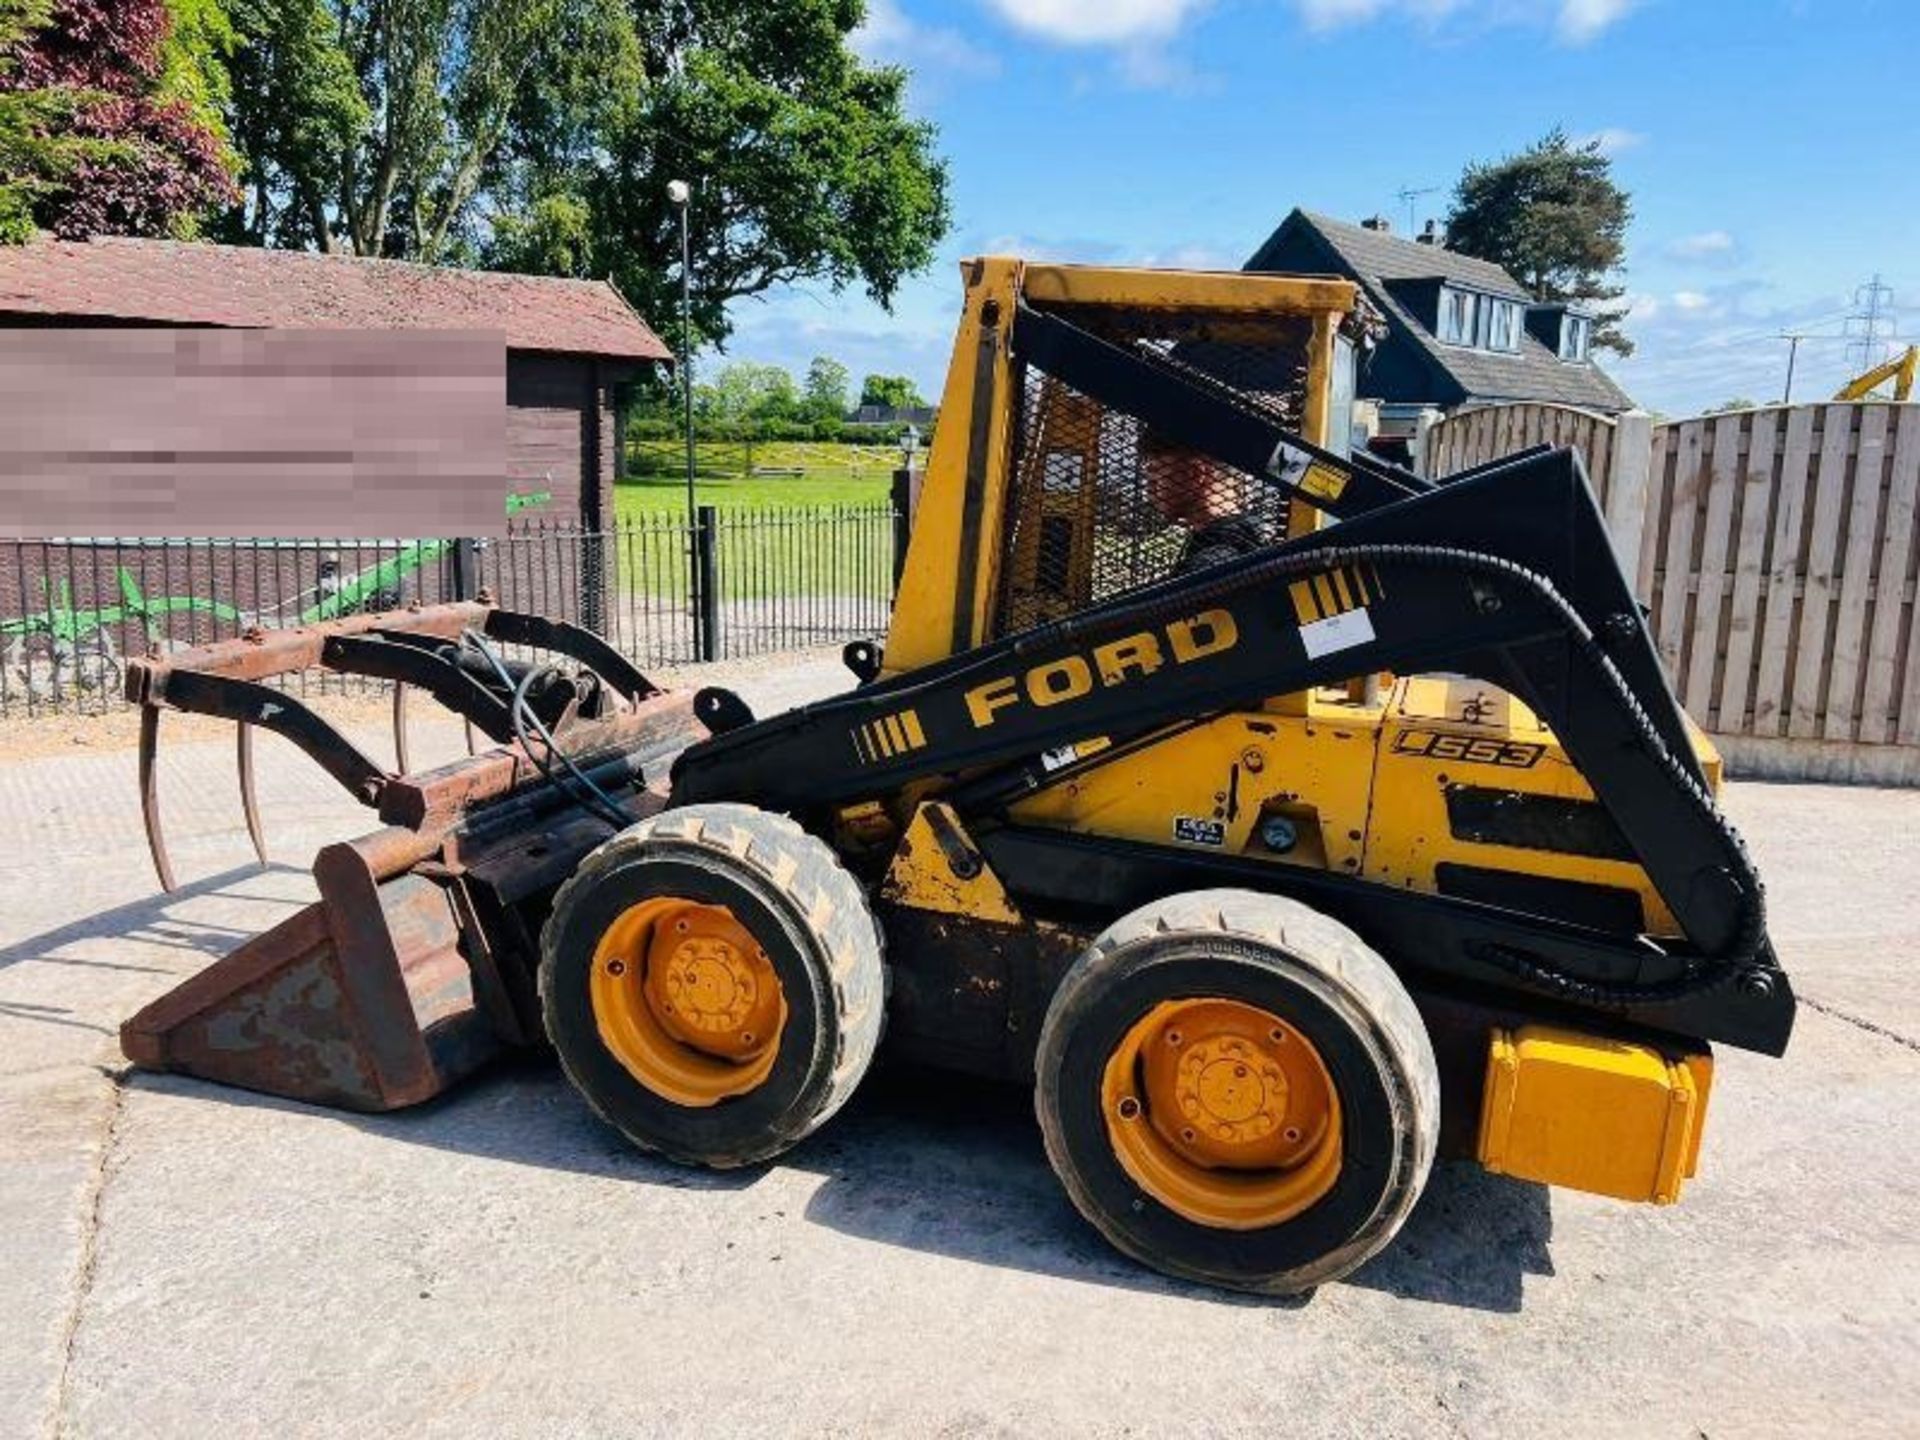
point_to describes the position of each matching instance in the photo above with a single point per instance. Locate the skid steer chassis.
(1051, 833)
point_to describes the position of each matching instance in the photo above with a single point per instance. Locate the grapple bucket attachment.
(415, 965)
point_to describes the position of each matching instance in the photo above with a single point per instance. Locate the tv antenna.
(1407, 195)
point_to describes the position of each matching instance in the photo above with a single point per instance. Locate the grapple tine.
(401, 762)
(249, 793)
(472, 749)
(150, 795)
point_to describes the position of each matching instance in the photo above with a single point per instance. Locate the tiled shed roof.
(234, 286)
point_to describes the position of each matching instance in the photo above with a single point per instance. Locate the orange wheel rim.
(687, 1001)
(1223, 1112)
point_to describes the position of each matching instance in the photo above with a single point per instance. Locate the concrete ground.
(186, 1260)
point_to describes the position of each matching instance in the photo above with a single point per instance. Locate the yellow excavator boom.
(1901, 370)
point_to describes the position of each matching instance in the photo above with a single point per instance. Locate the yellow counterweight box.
(1593, 1114)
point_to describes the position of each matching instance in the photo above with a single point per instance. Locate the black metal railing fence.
(733, 584)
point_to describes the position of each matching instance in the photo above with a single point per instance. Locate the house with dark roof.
(1460, 331)
(572, 345)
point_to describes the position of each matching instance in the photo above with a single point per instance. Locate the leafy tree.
(826, 390)
(1729, 406)
(895, 391)
(1552, 216)
(745, 391)
(540, 136)
(104, 126)
(802, 159)
(377, 129)
(35, 155)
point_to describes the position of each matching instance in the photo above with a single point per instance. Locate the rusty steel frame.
(411, 968)
(227, 680)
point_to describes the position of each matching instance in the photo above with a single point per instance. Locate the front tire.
(1234, 1089)
(712, 979)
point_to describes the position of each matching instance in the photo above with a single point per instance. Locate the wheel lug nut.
(616, 967)
(1129, 1107)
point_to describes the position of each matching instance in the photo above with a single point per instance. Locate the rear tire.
(776, 890)
(1183, 1208)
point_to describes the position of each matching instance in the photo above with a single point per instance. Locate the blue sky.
(1771, 147)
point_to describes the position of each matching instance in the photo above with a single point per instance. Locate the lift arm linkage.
(1505, 574)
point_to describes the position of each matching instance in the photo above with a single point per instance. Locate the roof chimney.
(1377, 223)
(1432, 235)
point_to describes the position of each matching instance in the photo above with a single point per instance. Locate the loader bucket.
(415, 966)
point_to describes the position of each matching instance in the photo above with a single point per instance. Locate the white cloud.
(1575, 22)
(1154, 67)
(1584, 20)
(1710, 246)
(1191, 257)
(1691, 301)
(1332, 14)
(1109, 22)
(890, 35)
(1613, 139)
(1643, 307)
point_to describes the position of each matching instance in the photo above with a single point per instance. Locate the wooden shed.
(571, 344)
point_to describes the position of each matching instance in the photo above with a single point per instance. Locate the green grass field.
(828, 475)
(778, 533)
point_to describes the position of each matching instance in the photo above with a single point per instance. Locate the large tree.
(375, 128)
(895, 392)
(825, 392)
(540, 136)
(1554, 218)
(109, 117)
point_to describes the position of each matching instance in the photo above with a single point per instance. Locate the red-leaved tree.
(137, 161)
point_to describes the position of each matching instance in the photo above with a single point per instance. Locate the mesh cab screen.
(1100, 505)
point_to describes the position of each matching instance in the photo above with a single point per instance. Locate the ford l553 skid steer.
(1278, 855)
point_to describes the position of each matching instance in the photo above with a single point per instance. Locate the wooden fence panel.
(1862, 520)
(1488, 432)
(1893, 598)
(1685, 481)
(1783, 574)
(1813, 647)
(1779, 553)
(1757, 486)
(1716, 538)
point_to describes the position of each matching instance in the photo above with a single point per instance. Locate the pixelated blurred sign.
(241, 433)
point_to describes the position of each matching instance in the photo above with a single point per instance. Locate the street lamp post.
(680, 193)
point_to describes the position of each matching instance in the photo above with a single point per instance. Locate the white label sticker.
(1337, 632)
(1059, 756)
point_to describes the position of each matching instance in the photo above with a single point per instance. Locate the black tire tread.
(1341, 959)
(820, 895)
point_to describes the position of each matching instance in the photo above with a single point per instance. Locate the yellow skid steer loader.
(1283, 818)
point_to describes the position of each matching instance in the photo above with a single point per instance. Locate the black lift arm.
(1507, 575)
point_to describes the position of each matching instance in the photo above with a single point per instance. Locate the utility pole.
(1793, 353)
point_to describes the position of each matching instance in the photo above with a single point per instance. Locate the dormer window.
(1484, 322)
(1576, 338)
(1566, 332)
